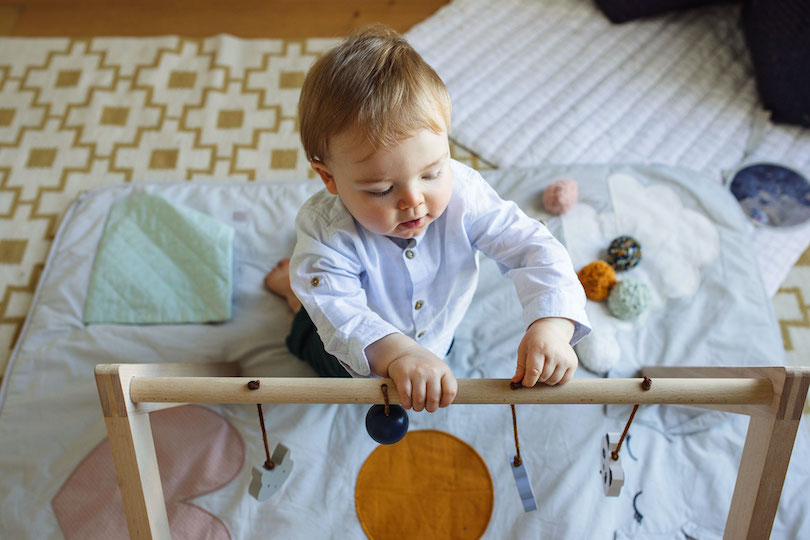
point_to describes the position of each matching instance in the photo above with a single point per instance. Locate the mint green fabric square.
(159, 263)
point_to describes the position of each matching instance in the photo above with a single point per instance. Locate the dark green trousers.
(305, 343)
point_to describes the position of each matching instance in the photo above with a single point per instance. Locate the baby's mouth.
(413, 223)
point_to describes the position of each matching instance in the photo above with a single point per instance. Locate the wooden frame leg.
(760, 478)
(129, 431)
(133, 450)
(768, 444)
(765, 459)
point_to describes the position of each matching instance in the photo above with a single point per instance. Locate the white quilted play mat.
(680, 464)
(553, 81)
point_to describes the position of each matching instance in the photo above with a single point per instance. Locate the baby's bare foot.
(278, 281)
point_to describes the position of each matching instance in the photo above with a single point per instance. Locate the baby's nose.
(411, 199)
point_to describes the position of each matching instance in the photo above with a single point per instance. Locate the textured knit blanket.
(555, 82)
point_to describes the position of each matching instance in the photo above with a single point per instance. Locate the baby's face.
(394, 191)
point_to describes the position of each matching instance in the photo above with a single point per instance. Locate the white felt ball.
(598, 352)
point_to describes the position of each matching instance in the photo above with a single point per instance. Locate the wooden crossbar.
(772, 396)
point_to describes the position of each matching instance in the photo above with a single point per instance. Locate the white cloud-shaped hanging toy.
(676, 242)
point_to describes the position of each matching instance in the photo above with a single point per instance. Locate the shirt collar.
(410, 242)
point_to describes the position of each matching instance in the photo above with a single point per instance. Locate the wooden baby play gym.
(773, 397)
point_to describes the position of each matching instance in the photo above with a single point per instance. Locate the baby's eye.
(381, 193)
(433, 176)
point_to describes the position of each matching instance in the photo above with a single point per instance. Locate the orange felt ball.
(597, 279)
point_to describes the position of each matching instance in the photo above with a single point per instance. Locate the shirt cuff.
(556, 305)
(362, 337)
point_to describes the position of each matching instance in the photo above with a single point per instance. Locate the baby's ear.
(328, 180)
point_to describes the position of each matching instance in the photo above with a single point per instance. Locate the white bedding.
(554, 82)
(683, 462)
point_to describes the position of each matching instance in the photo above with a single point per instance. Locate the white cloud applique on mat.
(676, 243)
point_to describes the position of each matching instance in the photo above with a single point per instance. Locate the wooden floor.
(197, 18)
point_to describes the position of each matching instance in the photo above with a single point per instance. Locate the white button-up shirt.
(359, 287)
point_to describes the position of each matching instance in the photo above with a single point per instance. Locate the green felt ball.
(628, 299)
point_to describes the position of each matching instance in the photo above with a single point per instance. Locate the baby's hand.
(423, 380)
(545, 354)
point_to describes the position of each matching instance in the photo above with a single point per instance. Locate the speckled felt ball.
(597, 279)
(624, 253)
(628, 299)
(560, 196)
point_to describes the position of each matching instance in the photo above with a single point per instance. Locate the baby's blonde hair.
(373, 81)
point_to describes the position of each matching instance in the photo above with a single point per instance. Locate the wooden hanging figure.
(524, 485)
(611, 471)
(269, 477)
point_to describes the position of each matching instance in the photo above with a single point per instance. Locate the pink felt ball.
(561, 196)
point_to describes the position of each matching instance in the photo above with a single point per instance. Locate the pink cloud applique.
(198, 452)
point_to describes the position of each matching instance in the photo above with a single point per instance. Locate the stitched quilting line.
(218, 277)
(530, 108)
(745, 87)
(447, 43)
(466, 80)
(702, 118)
(652, 133)
(510, 146)
(508, 84)
(523, 63)
(668, 64)
(177, 237)
(147, 267)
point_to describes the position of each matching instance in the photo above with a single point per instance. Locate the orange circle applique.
(428, 485)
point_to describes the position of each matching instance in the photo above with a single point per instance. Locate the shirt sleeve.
(528, 253)
(325, 275)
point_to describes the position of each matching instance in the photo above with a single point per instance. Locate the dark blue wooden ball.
(386, 429)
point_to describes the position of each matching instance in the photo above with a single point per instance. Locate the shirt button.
(419, 305)
(315, 281)
(410, 254)
(420, 334)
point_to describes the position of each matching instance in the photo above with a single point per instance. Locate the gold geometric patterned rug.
(79, 114)
(76, 114)
(792, 307)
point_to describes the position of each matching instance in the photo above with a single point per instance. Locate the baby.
(386, 259)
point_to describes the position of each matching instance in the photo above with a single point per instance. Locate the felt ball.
(628, 299)
(387, 429)
(599, 351)
(561, 196)
(624, 253)
(597, 279)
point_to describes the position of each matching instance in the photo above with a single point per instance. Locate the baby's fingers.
(449, 389)
(433, 393)
(520, 369)
(549, 366)
(404, 388)
(557, 375)
(533, 373)
(418, 393)
(569, 374)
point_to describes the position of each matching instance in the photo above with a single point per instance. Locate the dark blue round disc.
(772, 195)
